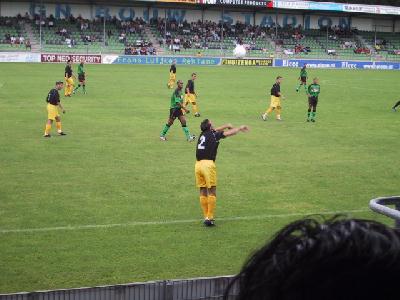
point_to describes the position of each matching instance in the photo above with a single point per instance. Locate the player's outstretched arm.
(233, 131)
(223, 127)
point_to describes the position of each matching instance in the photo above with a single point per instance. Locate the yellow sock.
(278, 113)
(204, 205)
(47, 129)
(211, 201)
(269, 110)
(194, 106)
(58, 124)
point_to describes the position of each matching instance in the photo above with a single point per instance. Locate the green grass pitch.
(111, 168)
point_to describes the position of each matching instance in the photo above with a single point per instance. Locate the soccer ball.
(239, 51)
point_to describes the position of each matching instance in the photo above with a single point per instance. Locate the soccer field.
(110, 203)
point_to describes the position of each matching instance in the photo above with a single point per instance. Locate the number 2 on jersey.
(201, 144)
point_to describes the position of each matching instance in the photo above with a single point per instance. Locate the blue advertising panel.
(167, 60)
(337, 64)
(326, 6)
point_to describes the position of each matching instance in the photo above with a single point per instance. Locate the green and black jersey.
(176, 99)
(81, 71)
(303, 73)
(314, 90)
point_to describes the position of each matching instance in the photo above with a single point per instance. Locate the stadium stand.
(384, 44)
(82, 35)
(206, 38)
(12, 35)
(322, 43)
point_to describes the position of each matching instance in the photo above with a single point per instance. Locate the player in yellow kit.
(69, 80)
(205, 169)
(53, 104)
(276, 97)
(172, 75)
(191, 96)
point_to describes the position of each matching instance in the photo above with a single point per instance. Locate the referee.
(53, 103)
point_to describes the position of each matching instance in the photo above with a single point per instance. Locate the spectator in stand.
(51, 21)
(122, 37)
(128, 51)
(150, 50)
(337, 259)
(28, 45)
(71, 19)
(68, 42)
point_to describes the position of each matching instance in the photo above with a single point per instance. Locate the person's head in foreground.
(336, 259)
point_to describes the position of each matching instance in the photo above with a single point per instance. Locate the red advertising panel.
(75, 58)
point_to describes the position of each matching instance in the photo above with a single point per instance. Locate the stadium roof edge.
(279, 5)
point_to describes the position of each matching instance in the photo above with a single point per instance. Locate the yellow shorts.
(52, 111)
(172, 76)
(205, 173)
(275, 101)
(190, 98)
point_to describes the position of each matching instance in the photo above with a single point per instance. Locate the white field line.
(172, 222)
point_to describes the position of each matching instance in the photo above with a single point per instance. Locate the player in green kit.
(313, 92)
(81, 77)
(303, 78)
(175, 111)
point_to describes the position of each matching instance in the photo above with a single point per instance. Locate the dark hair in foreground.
(335, 259)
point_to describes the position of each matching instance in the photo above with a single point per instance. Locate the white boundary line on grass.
(172, 222)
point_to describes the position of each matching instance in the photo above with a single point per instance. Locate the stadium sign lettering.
(247, 62)
(19, 57)
(348, 65)
(336, 64)
(179, 1)
(264, 18)
(330, 6)
(262, 3)
(164, 60)
(63, 58)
